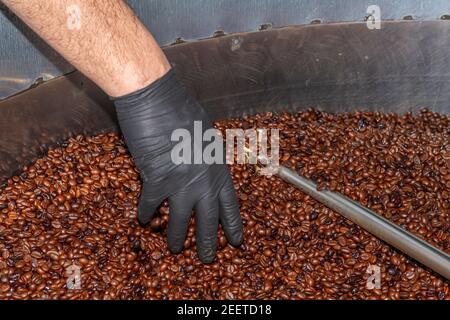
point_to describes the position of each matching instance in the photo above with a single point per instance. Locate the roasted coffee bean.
(76, 208)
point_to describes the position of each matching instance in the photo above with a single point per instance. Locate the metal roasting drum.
(335, 67)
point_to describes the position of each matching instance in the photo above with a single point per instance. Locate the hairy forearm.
(101, 38)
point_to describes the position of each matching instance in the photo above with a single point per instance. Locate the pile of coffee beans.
(68, 226)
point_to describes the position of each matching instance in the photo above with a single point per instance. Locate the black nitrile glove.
(147, 119)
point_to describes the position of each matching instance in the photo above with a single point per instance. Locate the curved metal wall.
(24, 58)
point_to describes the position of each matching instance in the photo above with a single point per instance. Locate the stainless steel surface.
(335, 67)
(247, 73)
(24, 58)
(380, 227)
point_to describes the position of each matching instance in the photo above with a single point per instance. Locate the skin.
(105, 40)
(102, 39)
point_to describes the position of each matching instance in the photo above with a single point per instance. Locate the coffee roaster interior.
(331, 61)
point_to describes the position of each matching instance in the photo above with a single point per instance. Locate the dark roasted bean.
(76, 208)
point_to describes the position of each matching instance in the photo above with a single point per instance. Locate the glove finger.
(180, 215)
(207, 218)
(148, 203)
(230, 217)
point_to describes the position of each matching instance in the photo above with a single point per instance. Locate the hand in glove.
(147, 119)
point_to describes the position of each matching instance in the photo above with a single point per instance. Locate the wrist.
(152, 95)
(134, 78)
